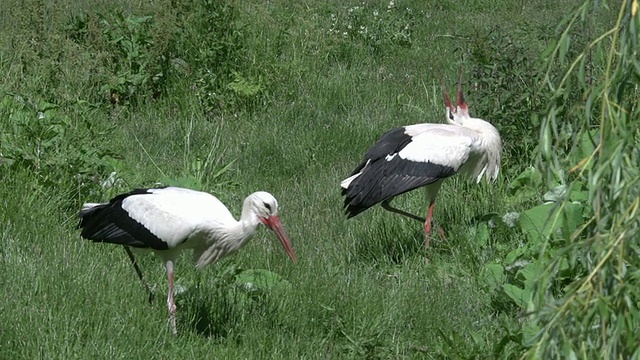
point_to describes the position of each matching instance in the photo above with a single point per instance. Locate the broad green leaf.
(534, 224)
(493, 274)
(258, 281)
(555, 194)
(535, 120)
(521, 297)
(531, 272)
(578, 193)
(514, 254)
(583, 147)
(572, 218)
(489, 217)
(184, 181)
(568, 352)
(530, 177)
(482, 234)
(530, 332)
(587, 147)
(537, 224)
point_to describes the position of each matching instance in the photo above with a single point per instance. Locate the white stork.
(171, 219)
(423, 155)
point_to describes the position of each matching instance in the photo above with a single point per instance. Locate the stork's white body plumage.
(169, 220)
(423, 155)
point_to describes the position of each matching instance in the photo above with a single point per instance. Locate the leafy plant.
(38, 137)
(135, 69)
(201, 169)
(597, 313)
(214, 46)
(514, 275)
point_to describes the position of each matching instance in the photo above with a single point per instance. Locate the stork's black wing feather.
(384, 179)
(390, 142)
(111, 223)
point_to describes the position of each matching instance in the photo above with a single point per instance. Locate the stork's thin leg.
(387, 206)
(170, 303)
(427, 228)
(427, 225)
(139, 272)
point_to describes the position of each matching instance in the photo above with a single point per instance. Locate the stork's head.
(456, 115)
(264, 204)
(265, 207)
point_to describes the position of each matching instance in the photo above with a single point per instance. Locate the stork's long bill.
(273, 223)
(462, 110)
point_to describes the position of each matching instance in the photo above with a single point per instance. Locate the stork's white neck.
(491, 145)
(231, 239)
(244, 229)
(249, 220)
(478, 125)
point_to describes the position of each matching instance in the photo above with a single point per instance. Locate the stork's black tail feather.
(88, 211)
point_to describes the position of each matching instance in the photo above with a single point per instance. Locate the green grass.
(361, 289)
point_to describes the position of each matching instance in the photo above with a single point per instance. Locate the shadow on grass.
(208, 314)
(390, 241)
(217, 312)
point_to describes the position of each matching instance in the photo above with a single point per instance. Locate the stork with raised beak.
(423, 155)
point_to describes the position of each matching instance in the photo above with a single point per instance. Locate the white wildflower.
(517, 265)
(179, 289)
(111, 181)
(511, 218)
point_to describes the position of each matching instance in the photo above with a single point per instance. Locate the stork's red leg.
(427, 225)
(170, 302)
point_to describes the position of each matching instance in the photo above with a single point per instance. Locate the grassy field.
(313, 84)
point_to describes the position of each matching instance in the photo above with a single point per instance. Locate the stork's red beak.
(445, 96)
(461, 103)
(273, 222)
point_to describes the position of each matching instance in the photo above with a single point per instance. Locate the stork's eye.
(450, 115)
(267, 206)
